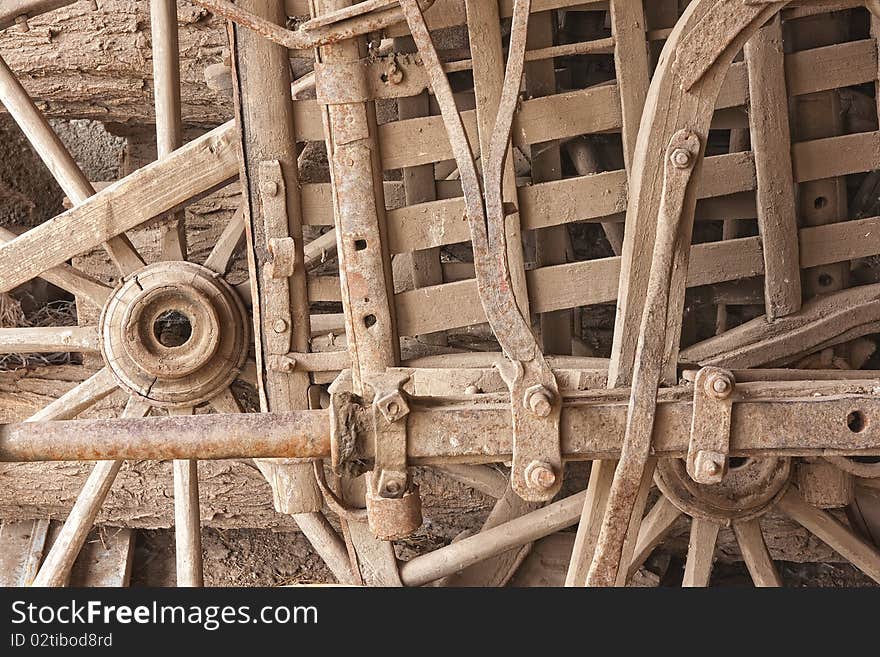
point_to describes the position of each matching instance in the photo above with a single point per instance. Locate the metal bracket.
(709, 445)
(281, 256)
(395, 75)
(394, 507)
(536, 408)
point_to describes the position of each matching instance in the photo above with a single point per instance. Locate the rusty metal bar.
(809, 418)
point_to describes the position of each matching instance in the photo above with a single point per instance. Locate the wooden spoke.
(655, 527)
(221, 255)
(69, 279)
(169, 127)
(187, 519)
(483, 478)
(49, 339)
(199, 167)
(58, 160)
(701, 553)
(225, 402)
(55, 570)
(75, 401)
(755, 554)
(841, 539)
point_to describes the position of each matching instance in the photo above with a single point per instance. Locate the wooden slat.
(199, 167)
(771, 145)
(552, 288)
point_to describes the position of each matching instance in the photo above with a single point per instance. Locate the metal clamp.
(394, 507)
(280, 255)
(709, 445)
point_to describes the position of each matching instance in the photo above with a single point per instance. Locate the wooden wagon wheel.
(670, 167)
(504, 292)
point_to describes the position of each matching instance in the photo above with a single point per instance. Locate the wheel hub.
(174, 333)
(748, 490)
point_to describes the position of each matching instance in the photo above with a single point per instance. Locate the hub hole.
(172, 329)
(820, 202)
(856, 421)
(360, 245)
(826, 280)
(370, 321)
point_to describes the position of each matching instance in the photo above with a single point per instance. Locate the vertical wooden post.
(364, 263)
(631, 63)
(771, 146)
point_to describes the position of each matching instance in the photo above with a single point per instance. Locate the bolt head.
(681, 158)
(280, 326)
(540, 402)
(269, 188)
(472, 390)
(392, 487)
(540, 475)
(719, 385)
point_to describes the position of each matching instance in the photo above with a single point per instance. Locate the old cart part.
(791, 418)
(332, 27)
(171, 370)
(535, 402)
(710, 428)
(824, 485)
(394, 507)
(366, 289)
(681, 156)
(266, 126)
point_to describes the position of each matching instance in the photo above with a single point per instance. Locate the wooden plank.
(22, 545)
(196, 169)
(105, 559)
(771, 146)
(712, 262)
(701, 552)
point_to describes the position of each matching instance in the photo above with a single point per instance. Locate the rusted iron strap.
(335, 26)
(534, 394)
(681, 156)
(809, 419)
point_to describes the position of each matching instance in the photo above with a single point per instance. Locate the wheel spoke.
(55, 570)
(58, 160)
(655, 527)
(221, 255)
(49, 339)
(169, 127)
(69, 279)
(701, 552)
(843, 541)
(755, 553)
(483, 478)
(187, 519)
(75, 401)
(196, 169)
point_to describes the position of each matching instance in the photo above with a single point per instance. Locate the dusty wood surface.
(80, 63)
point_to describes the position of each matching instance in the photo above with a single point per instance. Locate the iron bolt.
(280, 326)
(540, 475)
(269, 188)
(681, 158)
(22, 22)
(472, 390)
(540, 401)
(393, 74)
(719, 385)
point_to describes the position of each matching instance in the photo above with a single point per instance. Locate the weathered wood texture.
(80, 63)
